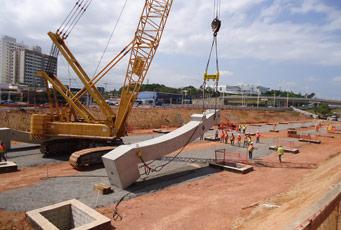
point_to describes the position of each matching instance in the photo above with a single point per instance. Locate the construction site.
(78, 165)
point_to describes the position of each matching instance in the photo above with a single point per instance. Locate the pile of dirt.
(152, 118)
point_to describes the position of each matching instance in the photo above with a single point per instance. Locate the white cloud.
(251, 29)
(337, 79)
(226, 73)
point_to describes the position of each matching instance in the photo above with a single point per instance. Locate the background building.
(27, 62)
(19, 64)
(245, 89)
(8, 46)
(159, 98)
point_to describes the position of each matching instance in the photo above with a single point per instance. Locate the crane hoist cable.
(215, 26)
(73, 18)
(65, 29)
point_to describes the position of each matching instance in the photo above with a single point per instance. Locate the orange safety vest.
(2, 149)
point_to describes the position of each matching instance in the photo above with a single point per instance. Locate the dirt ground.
(219, 201)
(32, 175)
(151, 118)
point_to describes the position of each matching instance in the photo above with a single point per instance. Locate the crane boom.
(147, 39)
(74, 126)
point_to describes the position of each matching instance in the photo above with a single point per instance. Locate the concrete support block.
(8, 166)
(122, 163)
(70, 214)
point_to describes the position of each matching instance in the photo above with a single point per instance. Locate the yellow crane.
(73, 127)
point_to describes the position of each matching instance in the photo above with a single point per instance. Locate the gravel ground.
(54, 190)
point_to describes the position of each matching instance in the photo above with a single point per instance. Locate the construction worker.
(2, 151)
(226, 137)
(244, 129)
(274, 126)
(250, 150)
(257, 137)
(317, 127)
(216, 135)
(245, 141)
(232, 139)
(280, 152)
(239, 138)
(236, 129)
(222, 136)
(249, 140)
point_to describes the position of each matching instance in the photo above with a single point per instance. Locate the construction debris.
(103, 188)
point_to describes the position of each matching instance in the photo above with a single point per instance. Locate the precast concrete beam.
(121, 163)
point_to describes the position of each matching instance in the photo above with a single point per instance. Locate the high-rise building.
(28, 62)
(8, 45)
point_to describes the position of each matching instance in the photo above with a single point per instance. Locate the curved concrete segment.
(122, 163)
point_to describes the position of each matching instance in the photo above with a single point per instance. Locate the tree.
(323, 109)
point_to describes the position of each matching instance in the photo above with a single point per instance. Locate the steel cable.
(111, 35)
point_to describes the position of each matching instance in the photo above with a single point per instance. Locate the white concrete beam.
(122, 163)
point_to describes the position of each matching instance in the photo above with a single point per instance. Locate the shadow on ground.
(172, 178)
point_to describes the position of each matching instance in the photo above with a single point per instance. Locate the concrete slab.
(8, 166)
(211, 138)
(233, 167)
(71, 214)
(310, 141)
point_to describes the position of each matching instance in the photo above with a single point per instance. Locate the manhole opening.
(67, 217)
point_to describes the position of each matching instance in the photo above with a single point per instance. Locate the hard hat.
(251, 143)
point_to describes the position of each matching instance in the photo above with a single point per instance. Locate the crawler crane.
(74, 128)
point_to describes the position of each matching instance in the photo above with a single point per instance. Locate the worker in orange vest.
(232, 139)
(226, 137)
(2, 151)
(222, 136)
(239, 139)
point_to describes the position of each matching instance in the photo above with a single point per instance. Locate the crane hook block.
(215, 25)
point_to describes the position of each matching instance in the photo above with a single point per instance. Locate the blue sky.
(287, 44)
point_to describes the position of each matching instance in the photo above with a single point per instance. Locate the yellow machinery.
(73, 127)
(65, 129)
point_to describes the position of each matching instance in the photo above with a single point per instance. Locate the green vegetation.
(280, 93)
(322, 109)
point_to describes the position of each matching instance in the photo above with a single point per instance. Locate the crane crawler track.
(88, 157)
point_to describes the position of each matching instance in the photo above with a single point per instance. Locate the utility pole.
(274, 98)
(258, 98)
(287, 99)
